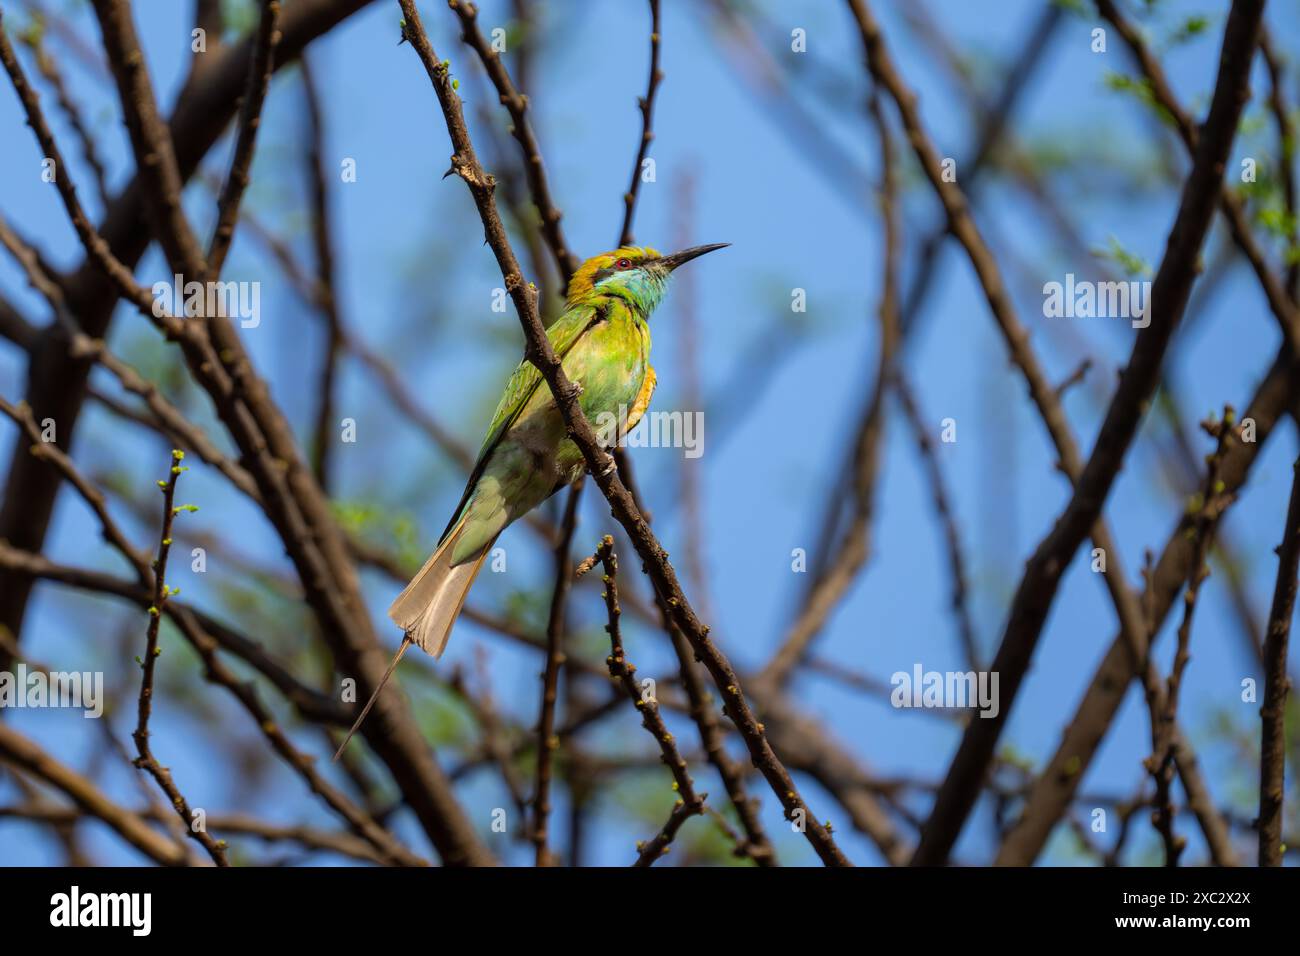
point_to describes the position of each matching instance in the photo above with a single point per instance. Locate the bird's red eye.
(624, 264)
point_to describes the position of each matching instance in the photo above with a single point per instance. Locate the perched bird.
(603, 341)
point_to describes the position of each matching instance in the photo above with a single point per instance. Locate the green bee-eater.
(603, 341)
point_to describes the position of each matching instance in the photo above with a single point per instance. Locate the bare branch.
(853, 549)
(1277, 685)
(250, 121)
(21, 752)
(521, 128)
(151, 141)
(555, 633)
(646, 104)
(689, 803)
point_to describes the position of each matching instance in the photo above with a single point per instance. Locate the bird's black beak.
(673, 260)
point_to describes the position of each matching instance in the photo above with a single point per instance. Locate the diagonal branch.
(250, 121)
(849, 557)
(1163, 701)
(943, 509)
(309, 703)
(151, 141)
(555, 628)
(646, 104)
(1280, 303)
(522, 130)
(167, 416)
(21, 752)
(1277, 685)
(539, 352)
(45, 65)
(689, 802)
(324, 292)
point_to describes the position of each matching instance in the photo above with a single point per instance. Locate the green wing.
(563, 334)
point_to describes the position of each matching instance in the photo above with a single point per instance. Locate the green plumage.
(604, 346)
(603, 342)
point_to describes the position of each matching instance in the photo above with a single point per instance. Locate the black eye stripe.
(602, 274)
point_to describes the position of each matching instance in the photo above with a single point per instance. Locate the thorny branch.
(688, 803)
(646, 104)
(1277, 685)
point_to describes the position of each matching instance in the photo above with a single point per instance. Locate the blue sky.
(416, 285)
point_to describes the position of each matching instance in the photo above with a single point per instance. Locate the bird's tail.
(428, 606)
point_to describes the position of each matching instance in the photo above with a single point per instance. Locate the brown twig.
(1280, 304)
(49, 70)
(49, 451)
(1277, 685)
(521, 128)
(555, 631)
(309, 837)
(77, 47)
(657, 846)
(96, 247)
(811, 750)
(646, 104)
(495, 742)
(151, 141)
(1079, 375)
(1160, 764)
(854, 547)
(250, 121)
(386, 846)
(310, 703)
(689, 803)
(165, 416)
(1285, 147)
(947, 516)
(21, 752)
(145, 760)
(756, 845)
(336, 338)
